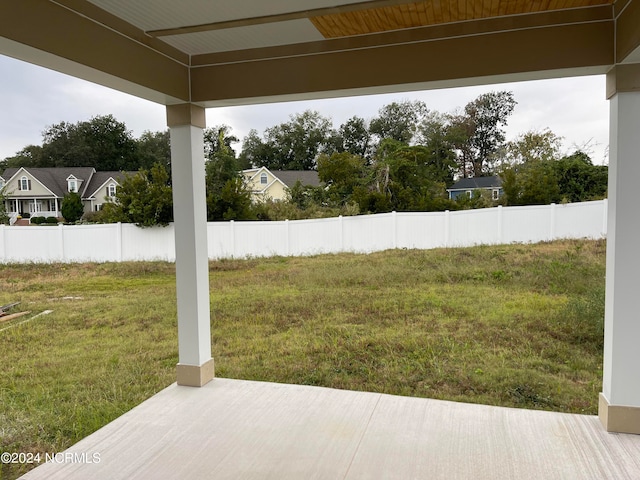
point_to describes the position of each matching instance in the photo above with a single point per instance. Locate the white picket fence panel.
(363, 233)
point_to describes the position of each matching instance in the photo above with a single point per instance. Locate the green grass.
(516, 325)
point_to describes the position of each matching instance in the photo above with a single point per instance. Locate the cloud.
(34, 98)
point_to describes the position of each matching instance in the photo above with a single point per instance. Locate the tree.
(355, 137)
(71, 207)
(478, 132)
(342, 173)
(29, 156)
(228, 198)
(533, 145)
(293, 145)
(579, 180)
(398, 120)
(102, 142)
(153, 148)
(144, 199)
(4, 218)
(402, 178)
(218, 139)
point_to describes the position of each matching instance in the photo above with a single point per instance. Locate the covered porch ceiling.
(231, 52)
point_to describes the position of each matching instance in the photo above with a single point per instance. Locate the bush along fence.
(362, 234)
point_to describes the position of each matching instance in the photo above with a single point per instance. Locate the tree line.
(403, 159)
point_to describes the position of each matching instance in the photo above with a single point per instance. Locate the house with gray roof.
(265, 183)
(38, 192)
(467, 186)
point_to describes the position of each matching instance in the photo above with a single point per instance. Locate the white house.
(39, 191)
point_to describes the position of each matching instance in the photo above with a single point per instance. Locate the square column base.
(618, 418)
(195, 375)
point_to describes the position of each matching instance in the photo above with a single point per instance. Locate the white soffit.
(255, 36)
(633, 57)
(164, 14)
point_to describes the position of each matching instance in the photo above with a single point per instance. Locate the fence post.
(119, 242)
(61, 242)
(3, 243)
(232, 225)
(500, 235)
(446, 228)
(287, 233)
(394, 216)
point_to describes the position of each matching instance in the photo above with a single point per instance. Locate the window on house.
(24, 184)
(97, 208)
(52, 206)
(495, 194)
(73, 185)
(111, 190)
(469, 193)
(263, 178)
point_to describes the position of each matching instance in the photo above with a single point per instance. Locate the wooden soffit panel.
(419, 14)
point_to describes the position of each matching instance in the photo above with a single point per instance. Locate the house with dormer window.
(38, 192)
(265, 183)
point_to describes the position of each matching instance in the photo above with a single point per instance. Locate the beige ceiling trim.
(282, 17)
(628, 30)
(98, 15)
(453, 30)
(514, 52)
(424, 13)
(619, 6)
(63, 33)
(622, 79)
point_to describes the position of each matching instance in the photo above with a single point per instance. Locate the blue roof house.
(467, 186)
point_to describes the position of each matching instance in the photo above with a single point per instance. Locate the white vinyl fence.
(364, 233)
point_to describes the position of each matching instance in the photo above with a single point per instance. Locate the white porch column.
(619, 408)
(186, 123)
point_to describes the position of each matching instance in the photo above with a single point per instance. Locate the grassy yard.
(517, 325)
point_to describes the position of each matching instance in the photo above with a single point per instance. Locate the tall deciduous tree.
(228, 198)
(102, 142)
(479, 133)
(152, 148)
(533, 145)
(293, 145)
(398, 120)
(355, 137)
(29, 156)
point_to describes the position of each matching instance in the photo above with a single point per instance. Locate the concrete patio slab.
(231, 429)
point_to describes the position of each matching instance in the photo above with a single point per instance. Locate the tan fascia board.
(421, 34)
(54, 36)
(518, 52)
(627, 30)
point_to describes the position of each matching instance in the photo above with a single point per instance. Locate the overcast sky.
(34, 98)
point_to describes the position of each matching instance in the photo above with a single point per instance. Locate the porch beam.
(619, 406)
(186, 123)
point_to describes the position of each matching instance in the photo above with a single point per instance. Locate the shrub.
(51, 220)
(37, 220)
